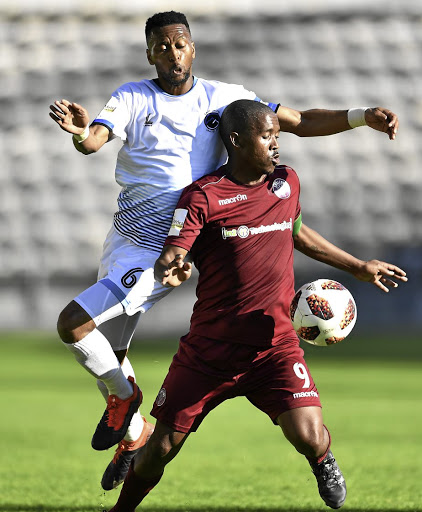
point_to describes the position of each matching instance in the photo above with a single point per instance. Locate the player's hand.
(177, 272)
(381, 274)
(383, 120)
(71, 117)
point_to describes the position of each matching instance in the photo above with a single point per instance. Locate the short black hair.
(240, 116)
(162, 19)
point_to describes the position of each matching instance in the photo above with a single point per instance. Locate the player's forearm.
(315, 246)
(88, 146)
(97, 137)
(80, 146)
(167, 256)
(313, 123)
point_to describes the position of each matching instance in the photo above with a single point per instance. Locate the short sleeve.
(116, 113)
(189, 218)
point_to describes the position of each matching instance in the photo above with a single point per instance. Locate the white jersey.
(168, 142)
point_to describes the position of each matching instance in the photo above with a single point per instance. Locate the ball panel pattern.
(320, 307)
(294, 303)
(349, 315)
(309, 333)
(332, 285)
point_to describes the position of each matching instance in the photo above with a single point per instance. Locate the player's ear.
(193, 50)
(234, 139)
(149, 57)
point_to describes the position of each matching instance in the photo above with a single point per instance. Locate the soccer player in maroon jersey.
(240, 225)
(168, 127)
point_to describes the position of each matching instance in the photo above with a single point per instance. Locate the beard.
(169, 78)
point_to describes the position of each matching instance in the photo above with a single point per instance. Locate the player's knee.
(153, 457)
(161, 448)
(311, 440)
(74, 323)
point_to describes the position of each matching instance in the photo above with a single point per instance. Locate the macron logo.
(235, 199)
(305, 394)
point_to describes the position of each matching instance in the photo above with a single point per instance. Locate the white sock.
(95, 354)
(137, 423)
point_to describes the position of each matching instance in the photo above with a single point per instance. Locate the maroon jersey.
(240, 239)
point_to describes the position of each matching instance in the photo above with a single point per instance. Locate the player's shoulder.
(204, 184)
(284, 172)
(213, 178)
(133, 88)
(134, 95)
(217, 86)
(285, 179)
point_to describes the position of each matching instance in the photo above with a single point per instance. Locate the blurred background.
(360, 190)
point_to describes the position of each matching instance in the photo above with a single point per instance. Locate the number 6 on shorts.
(301, 372)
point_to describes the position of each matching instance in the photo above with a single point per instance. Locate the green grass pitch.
(237, 461)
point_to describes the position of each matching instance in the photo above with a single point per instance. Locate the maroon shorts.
(204, 373)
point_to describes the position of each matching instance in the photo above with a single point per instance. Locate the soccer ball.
(323, 312)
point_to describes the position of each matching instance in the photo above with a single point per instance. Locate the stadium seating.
(358, 189)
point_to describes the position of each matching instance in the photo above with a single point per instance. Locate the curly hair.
(162, 19)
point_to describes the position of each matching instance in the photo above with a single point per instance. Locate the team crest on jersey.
(129, 279)
(281, 188)
(161, 397)
(212, 120)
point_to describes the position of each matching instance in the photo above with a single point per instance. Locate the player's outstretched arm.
(73, 118)
(170, 268)
(381, 274)
(317, 122)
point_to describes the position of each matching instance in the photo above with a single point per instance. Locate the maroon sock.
(317, 460)
(134, 491)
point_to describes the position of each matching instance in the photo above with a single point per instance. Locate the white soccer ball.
(323, 312)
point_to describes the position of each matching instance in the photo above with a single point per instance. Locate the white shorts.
(125, 289)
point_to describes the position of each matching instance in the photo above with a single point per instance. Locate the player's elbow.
(86, 148)
(298, 242)
(89, 151)
(301, 130)
(298, 129)
(305, 124)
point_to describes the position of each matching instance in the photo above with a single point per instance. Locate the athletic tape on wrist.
(83, 136)
(356, 117)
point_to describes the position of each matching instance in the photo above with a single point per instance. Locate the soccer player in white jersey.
(169, 129)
